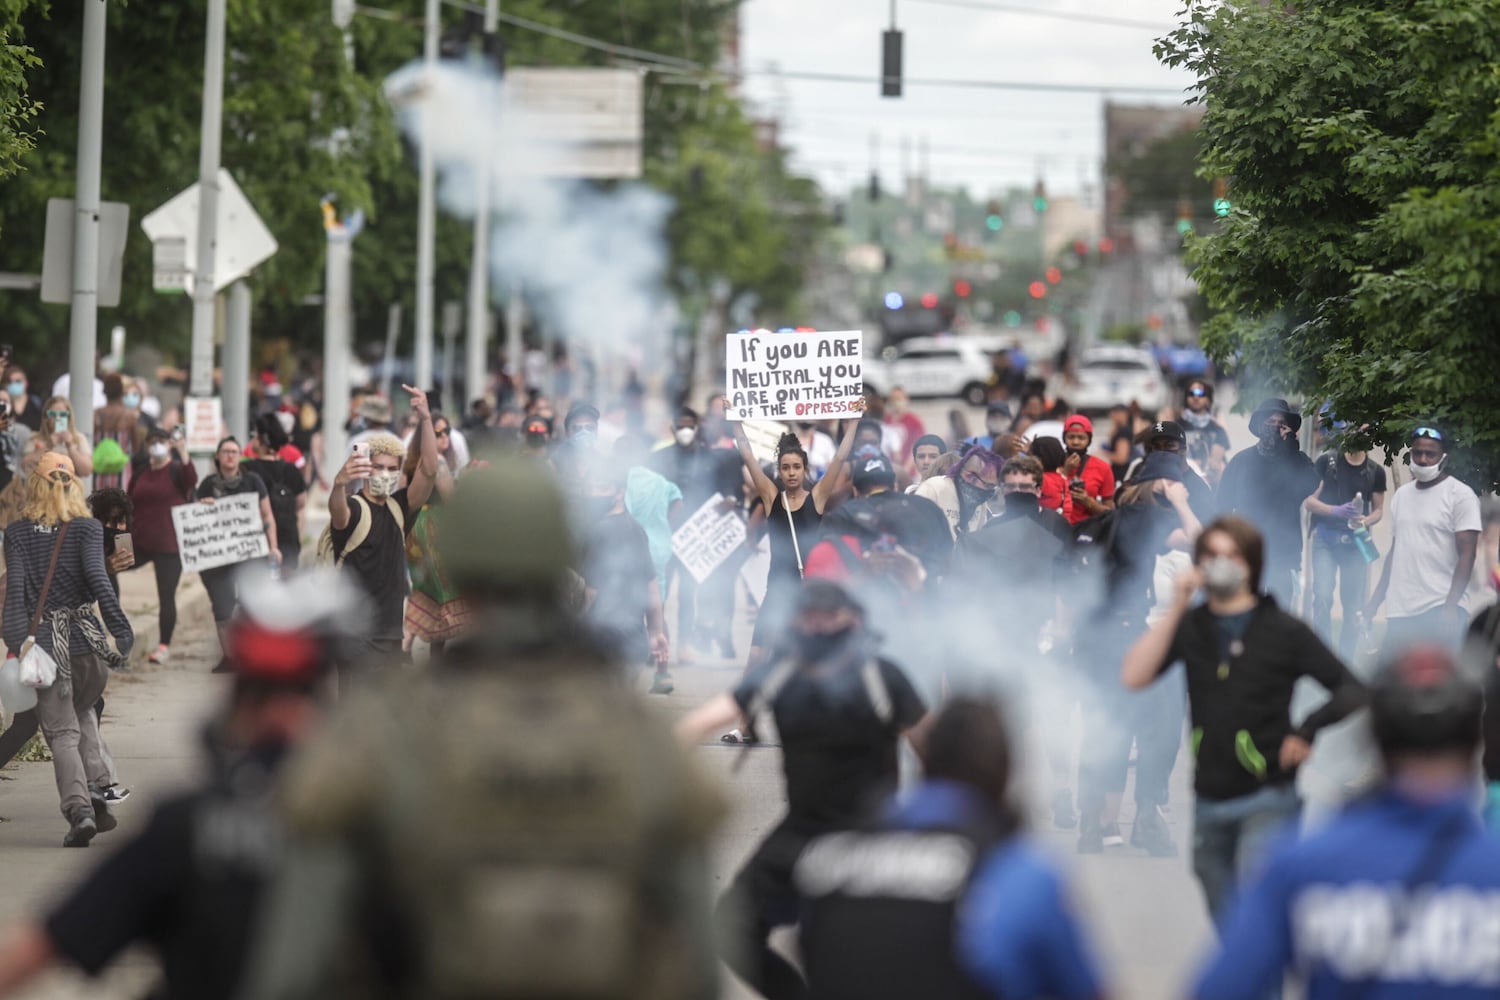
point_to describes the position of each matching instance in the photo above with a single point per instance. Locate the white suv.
(943, 367)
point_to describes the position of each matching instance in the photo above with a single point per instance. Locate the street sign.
(243, 241)
(585, 122)
(169, 266)
(57, 251)
(204, 416)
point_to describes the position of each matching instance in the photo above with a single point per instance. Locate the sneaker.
(115, 793)
(662, 684)
(81, 831)
(161, 655)
(1063, 816)
(104, 820)
(1149, 832)
(1112, 835)
(1090, 837)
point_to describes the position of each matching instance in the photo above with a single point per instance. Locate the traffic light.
(1184, 217)
(962, 288)
(1106, 246)
(874, 186)
(1222, 205)
(1054, 275)
(890, 63)
(1039, 197)
(993, 221)
(1081, 249)
(1012, 319)
(929, 300)
(1038, 289)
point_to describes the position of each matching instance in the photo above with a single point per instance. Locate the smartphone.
(361, 450)
(60, 424)
(124, 543)
(4, 406)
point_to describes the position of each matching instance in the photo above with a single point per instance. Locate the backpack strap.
(361, 528)
(879, 692)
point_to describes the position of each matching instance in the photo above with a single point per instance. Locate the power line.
(1031, 85)
(625, 51)
(1059, 15)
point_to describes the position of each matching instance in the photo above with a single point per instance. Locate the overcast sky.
(984, 139)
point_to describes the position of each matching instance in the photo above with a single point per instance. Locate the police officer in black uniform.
(189, 884)
(840, 712)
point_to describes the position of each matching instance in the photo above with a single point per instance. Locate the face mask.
(383, 484)
(132, 400)
(17, 389)
(996, 427)
(1022, 503)
(1428, 473)
(814, 647)
(974, 496)
(536, 439)
(585, 438)
(158, 450)
(1270, 441)
(1198, 420)
(1224, 577)
(686, 435)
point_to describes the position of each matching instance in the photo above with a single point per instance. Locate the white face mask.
(685, 435)
(158, 450)
(1428, 473)
(383, 484)
(1224, 577)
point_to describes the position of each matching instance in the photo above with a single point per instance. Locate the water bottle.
(1362, 540)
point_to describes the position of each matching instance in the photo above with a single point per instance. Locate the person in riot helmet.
(190, 884)
(840, 712)
(1396, 896)
(522, 821)
(940, 896)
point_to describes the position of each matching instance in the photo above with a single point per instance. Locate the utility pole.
(201, 382)
(477, 337)
(237, 362)
(336, 311)
(83, 322)
(426, 215)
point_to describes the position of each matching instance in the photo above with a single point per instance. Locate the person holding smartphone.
(59, 435)
(165, 479)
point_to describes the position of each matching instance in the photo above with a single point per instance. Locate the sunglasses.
(54, 414)
(441, 433)
(1198, 393)
(1428, 432)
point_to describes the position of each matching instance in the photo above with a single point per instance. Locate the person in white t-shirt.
(1435, 526)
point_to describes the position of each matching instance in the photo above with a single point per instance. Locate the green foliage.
(1361, 263)
(300, 122)
(18, 111)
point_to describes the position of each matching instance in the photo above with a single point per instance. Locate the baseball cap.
(1079, 422)
(872, 470)
(291, 453)
(53, 462)
(1162, 428)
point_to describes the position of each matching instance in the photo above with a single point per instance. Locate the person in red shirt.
(1091, 478)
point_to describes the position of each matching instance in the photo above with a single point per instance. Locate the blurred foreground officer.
(1399, 897)
(511, 823)
(840, 712)
(941, 898)
(190, 884)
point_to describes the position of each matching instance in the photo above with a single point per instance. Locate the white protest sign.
(204, 416)
(707, 538)
(794, 376)
(222, 533)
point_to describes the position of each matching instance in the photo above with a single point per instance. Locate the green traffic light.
(994, 223)
(1040, 204)
(1222, 207)
(1184, 226)
(1012, 318)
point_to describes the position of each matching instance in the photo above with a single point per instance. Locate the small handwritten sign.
(707, 538)
(222, 533)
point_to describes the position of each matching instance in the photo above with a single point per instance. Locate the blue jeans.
(1335, 558)
(1231, 836)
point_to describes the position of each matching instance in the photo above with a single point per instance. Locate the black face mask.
(536, 439)
(1022, 503)
(815, 647)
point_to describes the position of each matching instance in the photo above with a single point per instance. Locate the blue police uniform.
(1000, 920)
(1394, 900)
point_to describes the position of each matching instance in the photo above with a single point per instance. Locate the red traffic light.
(962, 288)
(929, 301)
(1054, 275)
(1106, 245)
(1038, 290)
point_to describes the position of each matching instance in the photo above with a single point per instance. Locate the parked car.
(1110, 374)
(934, 367)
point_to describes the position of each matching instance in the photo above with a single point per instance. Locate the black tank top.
(784, 564)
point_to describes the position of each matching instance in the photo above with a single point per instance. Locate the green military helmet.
(505, 529)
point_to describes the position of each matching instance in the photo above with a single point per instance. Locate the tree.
(1164, 176)
(298, 121)
(18, 111)
(1361, 262)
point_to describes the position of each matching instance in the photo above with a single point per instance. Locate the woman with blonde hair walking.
(54, 558)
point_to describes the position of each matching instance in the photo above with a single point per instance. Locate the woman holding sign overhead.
(228, 479)
(794, 514)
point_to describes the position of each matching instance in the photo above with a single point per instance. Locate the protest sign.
(794, 376)
(707, 538)
(204, 416)
(222, 533)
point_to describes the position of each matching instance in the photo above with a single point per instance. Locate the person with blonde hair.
(59, 435)
(58, 548)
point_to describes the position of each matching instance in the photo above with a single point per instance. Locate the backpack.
(327, 556)
(109, 458)
(283, 502)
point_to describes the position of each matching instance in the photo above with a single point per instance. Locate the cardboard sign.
(794, 376)
(204, 416)
(707, 538)
(222, 533)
